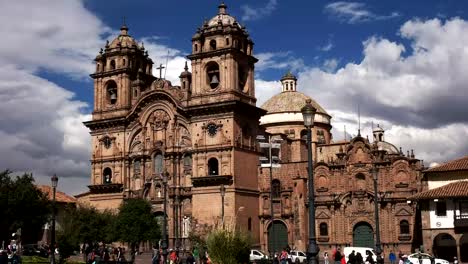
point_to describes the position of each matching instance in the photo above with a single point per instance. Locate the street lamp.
(223, 192)
(308, 113)
(270, 162)
(378, 248)
(164, 231)
(54, 180)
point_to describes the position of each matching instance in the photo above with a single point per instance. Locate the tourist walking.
(392, 257)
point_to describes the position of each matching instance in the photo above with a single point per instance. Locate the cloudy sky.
(402, 62)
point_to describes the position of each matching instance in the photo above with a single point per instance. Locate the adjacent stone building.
(202, 136)
(343, 183)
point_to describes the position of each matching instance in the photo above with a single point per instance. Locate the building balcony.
(212, 180)
(404, 237)
(460, 221)
(181, 192)
(323, 238)
(106, 188)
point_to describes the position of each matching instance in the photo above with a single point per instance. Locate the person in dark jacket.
(359, 259)
(352, 258)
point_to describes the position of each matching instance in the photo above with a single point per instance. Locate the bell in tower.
(214, 80)
(122, 68)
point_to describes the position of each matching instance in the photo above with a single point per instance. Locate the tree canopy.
(23, 206)
(135, 222)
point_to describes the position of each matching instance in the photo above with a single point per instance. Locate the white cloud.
(250, 13)
(169, 57)
(327, 47)
(265, 90)
(354, 12)
(418, 92)
(330, 65)
(42, 131)
(278, 60)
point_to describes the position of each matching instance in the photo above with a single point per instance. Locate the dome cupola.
(288, 81)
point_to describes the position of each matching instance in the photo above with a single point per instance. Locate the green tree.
(229, 246)
(22, 206)
(135, 223)
(84, 225)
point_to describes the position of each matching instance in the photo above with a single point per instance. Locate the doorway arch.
(444, 246)
(464, 248)
(363, 235)
(277, 236)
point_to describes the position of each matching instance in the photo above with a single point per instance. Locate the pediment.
(322, 215)
(403, 212)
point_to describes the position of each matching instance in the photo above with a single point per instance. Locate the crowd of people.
(97, 253)
(194, 257)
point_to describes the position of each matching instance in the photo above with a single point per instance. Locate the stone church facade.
(201, 135)
(344, 186)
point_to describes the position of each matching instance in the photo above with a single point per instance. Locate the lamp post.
(378, 247)
(308, 113)
(164, 231)
(54, 181)
(271, 144)
(223, 192)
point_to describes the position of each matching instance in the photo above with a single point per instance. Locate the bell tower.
(222, 61)
(123, 71)
(224, 124)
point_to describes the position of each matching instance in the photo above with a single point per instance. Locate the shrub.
(228, 246)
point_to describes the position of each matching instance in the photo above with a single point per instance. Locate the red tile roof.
(457, 189)
(454, 165)
(60, 197)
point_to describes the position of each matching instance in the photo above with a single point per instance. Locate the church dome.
(291, 101)
(222, 18)
(123, 40)
(388, 147)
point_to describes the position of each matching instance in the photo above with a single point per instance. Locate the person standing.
(392, 257)
(190, 259)
(325, 258)
(352, 258)
(337, 256)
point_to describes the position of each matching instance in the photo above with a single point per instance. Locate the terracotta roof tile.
(452, 190)
(60, 197)
(454, 165)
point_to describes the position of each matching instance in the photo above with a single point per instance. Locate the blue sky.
(403, 62)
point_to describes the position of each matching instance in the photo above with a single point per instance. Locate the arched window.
(227, 41)
(287, 86)
(404, 227)
(123, 63)
(249, 224)
(276, 188)
(196, 47)
(323, 229)
(212, 44)
(213, 167)
(112, 65)
(158, 163)
(111, 89)
(107, 175)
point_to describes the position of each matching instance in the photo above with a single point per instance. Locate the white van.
(362, 250)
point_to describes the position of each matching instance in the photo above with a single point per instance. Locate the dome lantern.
(289, 82)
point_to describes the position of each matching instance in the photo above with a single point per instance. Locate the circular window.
(212, 129)
(107, 142)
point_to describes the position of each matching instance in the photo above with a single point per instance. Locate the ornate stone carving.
(160, 120)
